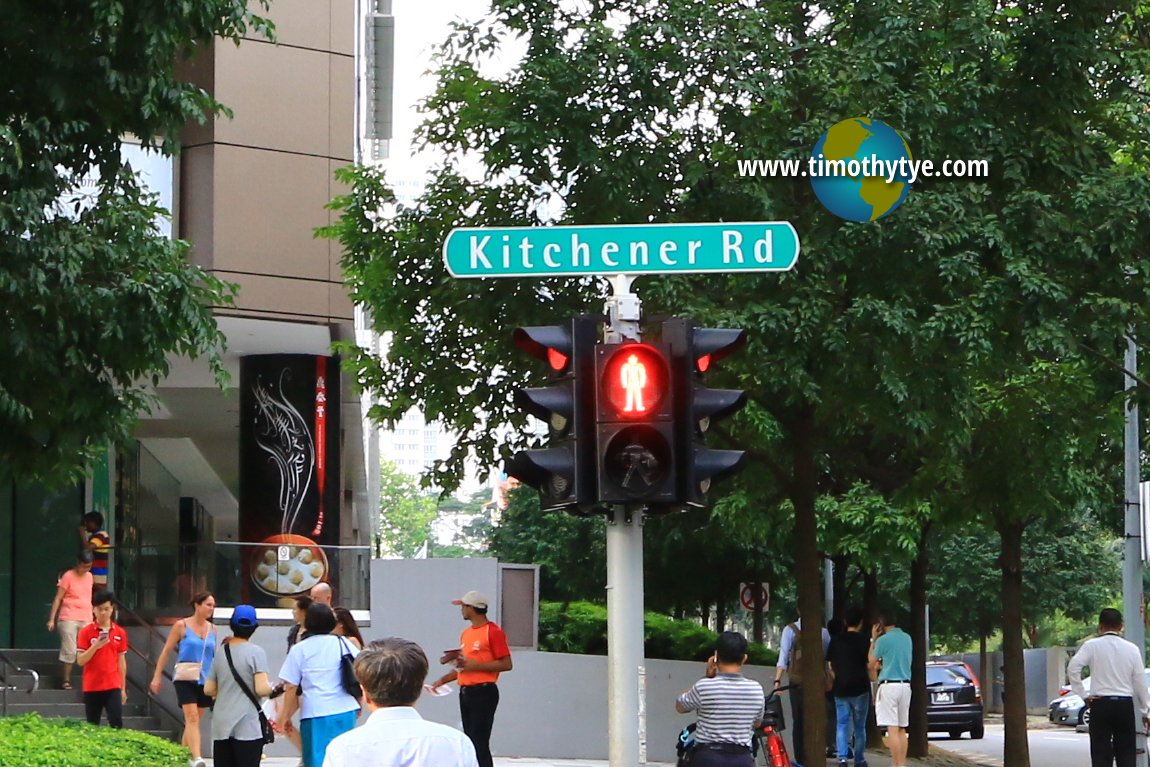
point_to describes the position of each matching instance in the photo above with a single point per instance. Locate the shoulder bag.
(189, 671)
(265, 725)
(347, 672)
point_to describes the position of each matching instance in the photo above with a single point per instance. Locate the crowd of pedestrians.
(329, 677)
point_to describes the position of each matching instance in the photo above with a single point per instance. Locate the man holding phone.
(103, 647)
(890, 661)
(728, 706)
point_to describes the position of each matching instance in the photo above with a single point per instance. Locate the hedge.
(582, 629)
(30, 741)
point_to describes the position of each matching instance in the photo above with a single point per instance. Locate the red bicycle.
(768, 746)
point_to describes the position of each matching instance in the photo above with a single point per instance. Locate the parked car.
(1069, 708)
(955, 704)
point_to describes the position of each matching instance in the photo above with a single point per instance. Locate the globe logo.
(860, 169)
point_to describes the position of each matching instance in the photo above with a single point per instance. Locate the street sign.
(747, 595)
(574, 251)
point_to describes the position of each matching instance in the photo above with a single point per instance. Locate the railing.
(273, 574)
(149, 664)
(160, 581)
(6, 685)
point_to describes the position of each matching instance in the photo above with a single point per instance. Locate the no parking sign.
(747, 595)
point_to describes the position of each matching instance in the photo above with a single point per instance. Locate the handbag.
(347, 672)
(189, 671)
(265, 726)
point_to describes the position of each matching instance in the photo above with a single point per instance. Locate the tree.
(405, 514)
(866, 361)
(93, 299)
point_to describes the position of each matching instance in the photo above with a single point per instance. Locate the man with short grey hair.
(392, 672)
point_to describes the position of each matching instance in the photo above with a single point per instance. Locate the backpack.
(795, 664)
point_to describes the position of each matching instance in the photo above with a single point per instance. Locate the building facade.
(248, 193)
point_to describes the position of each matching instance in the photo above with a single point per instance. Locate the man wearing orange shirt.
(482, 655)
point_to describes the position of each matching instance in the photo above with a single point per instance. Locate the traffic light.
(693, 351)
(634, 405)
(564, 471)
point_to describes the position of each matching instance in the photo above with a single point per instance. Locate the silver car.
(1069, 708)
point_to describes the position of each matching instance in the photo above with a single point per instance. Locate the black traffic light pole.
(626, 674)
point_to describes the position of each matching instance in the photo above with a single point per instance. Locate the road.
(1059, 747)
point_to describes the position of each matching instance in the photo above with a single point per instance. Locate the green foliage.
(581, 628)
(93, 299)
(30, 741)
(571, 551)
(405, 514)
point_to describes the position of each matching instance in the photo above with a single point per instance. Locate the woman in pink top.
(74, 601)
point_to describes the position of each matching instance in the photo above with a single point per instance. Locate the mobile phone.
(103, 633)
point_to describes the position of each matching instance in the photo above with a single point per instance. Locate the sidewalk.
(875, 758)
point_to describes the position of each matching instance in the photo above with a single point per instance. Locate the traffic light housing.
(693, 351)
(635, 424)
(564, 471)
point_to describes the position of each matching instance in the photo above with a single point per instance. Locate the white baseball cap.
(472, 599)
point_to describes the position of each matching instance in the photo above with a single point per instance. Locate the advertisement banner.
(289, 474)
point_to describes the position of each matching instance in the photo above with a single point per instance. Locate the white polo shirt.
(399, 737)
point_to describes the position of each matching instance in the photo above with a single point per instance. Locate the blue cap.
(244, 615)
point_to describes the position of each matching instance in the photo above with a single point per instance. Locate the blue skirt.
(318, 731)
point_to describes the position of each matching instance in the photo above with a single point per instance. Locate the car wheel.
(1084, 716)
(976, 733)
(955, 734)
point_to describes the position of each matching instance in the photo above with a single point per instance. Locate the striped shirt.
(728, 706)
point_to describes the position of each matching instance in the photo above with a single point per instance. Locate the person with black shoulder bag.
(239, 727)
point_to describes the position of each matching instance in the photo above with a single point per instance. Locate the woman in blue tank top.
(194, 640)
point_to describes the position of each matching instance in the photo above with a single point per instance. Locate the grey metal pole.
(624, 636)
(1133, 606)
(625, 671)
(1133, 610)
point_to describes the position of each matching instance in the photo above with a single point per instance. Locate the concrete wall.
(551, 704)
(1045, 670)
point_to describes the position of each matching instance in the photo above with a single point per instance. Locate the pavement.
(938, 757)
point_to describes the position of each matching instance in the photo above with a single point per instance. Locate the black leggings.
(237, 753)
(96, 703)
(477, 704)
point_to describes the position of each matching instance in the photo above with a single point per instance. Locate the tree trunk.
(870, 596)
(1017, 749)
(917, 731)
(807, 575)
(839, 581)
(720, 615)
(705, 613)
(985, 674)
(757, 616)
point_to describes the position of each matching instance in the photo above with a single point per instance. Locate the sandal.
(66, 685)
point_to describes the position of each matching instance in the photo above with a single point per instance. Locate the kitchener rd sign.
(553, 251)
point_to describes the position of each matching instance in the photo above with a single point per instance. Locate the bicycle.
(767, 746)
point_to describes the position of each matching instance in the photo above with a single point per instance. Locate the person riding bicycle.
(728, 707)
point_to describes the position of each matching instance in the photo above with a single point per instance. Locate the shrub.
(581, 628)
(30, 741)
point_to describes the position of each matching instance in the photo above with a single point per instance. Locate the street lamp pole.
(1133, 610)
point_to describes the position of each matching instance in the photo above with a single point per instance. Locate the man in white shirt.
(392, 672)
(1118, 694)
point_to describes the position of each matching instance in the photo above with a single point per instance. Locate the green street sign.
(574, 251)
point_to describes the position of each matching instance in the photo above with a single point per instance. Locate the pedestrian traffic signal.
(634, 406)
(693, 352)
(564, 471)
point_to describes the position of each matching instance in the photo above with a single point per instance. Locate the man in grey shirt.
(728, 706)
(236, 732)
